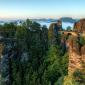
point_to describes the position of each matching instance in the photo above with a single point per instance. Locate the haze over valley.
(42, 42)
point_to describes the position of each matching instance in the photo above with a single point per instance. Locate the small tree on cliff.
(69, 28)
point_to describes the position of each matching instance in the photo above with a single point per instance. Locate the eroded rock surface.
(76, 55)
(80, 26)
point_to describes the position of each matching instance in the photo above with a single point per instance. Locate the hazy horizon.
(41, 17)
(22, 9)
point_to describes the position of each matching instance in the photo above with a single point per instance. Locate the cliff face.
(83, 54)
(56, 26)
(1, 49)
(53, 31)
(76, 56)
(10, 53)
(80, 26)
(76, 50)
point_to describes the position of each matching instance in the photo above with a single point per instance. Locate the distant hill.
(68, 19)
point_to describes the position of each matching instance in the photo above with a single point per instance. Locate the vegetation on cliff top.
(39, 56)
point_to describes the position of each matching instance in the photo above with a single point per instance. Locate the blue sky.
(42, 8)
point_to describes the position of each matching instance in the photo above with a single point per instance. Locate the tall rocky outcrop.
(80, 26)
(76, 49)
(53, 31)
(76, 55)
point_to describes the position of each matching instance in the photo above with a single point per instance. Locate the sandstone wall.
(76, 56)
(80, 25)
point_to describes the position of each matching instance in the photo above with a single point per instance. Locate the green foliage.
(51, 32)
(64, 63)
(59, 81)
(69, 28)
(47, 60)
(9, 29)
(0, 78)
(55, 64)
(79, 76)
(70, 80)
(21, 32)
(81, 41)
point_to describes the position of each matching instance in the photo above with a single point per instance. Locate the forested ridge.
(38, 56)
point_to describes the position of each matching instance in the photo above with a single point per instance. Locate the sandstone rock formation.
(80, 26)
(53, 31)
(56, 26)
(76, 55)
(76, 51)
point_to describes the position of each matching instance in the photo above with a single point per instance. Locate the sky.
(42, 8)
